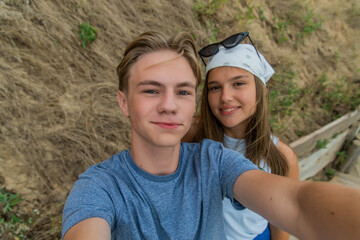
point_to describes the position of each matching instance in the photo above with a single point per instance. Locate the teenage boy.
(163, 189)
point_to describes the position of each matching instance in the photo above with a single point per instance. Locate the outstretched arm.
(305, 209)
(293, 164)
(91, 228)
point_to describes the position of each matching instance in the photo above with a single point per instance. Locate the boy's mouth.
(168, 125)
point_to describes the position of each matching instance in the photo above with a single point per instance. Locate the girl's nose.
(226, 94)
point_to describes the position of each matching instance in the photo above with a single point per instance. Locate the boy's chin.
(168, 141)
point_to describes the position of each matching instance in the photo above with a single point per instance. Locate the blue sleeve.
(231, 165)
(90, 197)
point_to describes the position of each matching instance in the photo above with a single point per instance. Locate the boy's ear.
(121, 97)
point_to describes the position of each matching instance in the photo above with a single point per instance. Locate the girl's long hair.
(259, 144)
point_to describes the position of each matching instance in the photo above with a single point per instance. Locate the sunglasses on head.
(230, 42)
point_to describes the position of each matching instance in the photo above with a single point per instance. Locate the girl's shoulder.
(291, 159)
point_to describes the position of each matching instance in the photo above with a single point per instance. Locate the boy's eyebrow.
(158, 84)
(149, 82)
(238, 77)
(186, 84)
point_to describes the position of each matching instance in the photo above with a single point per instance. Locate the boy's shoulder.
(206, 147)
(204, 143)
(114, 163)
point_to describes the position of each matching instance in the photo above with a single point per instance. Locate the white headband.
(242, 56)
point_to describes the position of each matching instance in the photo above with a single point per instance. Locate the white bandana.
(242, 56)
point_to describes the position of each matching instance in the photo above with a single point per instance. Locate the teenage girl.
(234, 110)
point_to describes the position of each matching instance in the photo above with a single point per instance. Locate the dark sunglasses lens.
(209, 50)
(233, 40)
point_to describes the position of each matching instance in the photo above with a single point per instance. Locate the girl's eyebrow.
(238, 77)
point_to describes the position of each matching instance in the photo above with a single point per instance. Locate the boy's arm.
(293, 164)
(305, 209)
(89, 229)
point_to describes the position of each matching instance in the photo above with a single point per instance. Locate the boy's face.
(160, 100)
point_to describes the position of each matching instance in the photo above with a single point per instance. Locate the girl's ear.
(122, 99)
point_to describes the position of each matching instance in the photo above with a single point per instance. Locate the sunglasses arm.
(203, 60)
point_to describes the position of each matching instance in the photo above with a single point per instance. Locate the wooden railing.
(311, 159)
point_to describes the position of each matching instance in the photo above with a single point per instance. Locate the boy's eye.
(184, 93)
(239, 84)
(150, 91)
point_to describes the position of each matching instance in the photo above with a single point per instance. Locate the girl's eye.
(213, 88)
(239, 84)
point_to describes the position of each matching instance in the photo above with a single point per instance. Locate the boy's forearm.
(305, 209)
(329, 211)
(91, 228)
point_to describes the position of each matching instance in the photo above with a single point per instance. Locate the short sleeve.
(90, 197)
(232, 165)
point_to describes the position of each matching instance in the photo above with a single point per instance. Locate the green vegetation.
(283, 96)
(8, 201)
(280, 28)
(330, 172)
(302, 19)
(322, 143)
(353, 15)
(299, 133)
(310, 23)
(261, 13)
(205, 11)
(208, 7)
(12, 223)
(87, 33)
(284, 92)
(214, 31)
(249, 14)
(342, 156)
(338, 97)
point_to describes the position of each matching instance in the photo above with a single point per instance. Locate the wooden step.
(346, 179)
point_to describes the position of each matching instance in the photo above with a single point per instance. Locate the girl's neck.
(237, 131)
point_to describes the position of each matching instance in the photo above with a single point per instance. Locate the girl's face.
(232, 98)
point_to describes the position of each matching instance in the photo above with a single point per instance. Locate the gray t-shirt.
(137, 205)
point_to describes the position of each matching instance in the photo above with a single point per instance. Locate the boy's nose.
(168, 103)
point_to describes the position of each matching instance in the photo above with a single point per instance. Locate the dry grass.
(59, 111)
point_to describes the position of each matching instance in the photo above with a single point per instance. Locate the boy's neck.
(154, 159)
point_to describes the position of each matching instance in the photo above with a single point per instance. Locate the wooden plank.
(353, 154)
(315, 162)
(355, 168)
(346, 179)
(354, 131)
(293, 238)
(306, 144)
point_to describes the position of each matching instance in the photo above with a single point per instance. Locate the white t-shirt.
(242, 224)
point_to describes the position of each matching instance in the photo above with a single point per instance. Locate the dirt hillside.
(59, 112)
